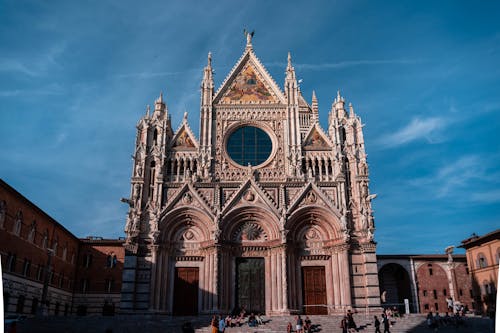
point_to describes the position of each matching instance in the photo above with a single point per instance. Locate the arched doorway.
(395, 286)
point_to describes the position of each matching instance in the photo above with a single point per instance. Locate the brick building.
(36, 248)
(483, 255)
(425, 280)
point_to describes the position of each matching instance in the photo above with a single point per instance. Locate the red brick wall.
(428, 283)
(99, 271)
(464, 285)
(34, 251)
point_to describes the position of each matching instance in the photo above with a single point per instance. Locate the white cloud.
(417, 129)
(344, 64)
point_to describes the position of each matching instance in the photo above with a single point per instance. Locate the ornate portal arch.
(250, 224)
(314, 222)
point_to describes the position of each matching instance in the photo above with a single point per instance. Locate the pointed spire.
(289, 65)
(338, 96)
(351, 111)
(148, 109)
(159, 104)
(209, 61)
(185, 117)
(314, 106)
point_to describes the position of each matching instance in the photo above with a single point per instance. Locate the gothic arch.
(313, 218)
(252, 223)
(174, 225)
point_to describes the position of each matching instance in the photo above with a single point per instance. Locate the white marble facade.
(305, 203)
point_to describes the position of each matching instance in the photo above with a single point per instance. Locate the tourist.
(344, 325)
(298, 324)
(289, 328)
(307, 325)
(259, 319)
(252, 322)
(351, 325)
(222, 324)
(377, 324)
(214, 324)
(387, 323)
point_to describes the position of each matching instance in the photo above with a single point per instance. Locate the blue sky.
(75, 77)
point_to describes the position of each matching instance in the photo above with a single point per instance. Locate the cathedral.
(264, 210)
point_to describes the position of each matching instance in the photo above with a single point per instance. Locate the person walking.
(344, 325)
(387, 323)
(377, 324)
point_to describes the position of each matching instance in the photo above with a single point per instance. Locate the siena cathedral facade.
(265, 210)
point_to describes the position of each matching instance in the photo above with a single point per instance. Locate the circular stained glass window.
(249, 145)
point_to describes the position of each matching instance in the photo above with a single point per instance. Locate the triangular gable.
(312, 195)
(316, 139)
(249, 83)
(250, 193)
(184, 138)
(187, 196)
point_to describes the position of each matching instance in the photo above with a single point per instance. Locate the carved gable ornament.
(312, 196)
(316, 140)
(247, 87)
(184, 139)
(188, 196)
(250, 194)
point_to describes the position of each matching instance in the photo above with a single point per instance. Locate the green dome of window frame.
(249, 145)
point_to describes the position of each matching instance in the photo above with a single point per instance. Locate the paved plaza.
(143, 324)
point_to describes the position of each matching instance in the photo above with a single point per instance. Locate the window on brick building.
(481, 261)
(460, 292)
(430, 268)
(26, 267)
(436, 307)
(109, 285)
(55, 244)
(32, 233)
(18, 223)
(426, 306)
(3, 212)
(11, 262)
(425, 292)
(435, 294)
(85, 285)
(20, 304)
(471, 293)
(64, 253)
(6, 299)
(444, 292)
(45, 239)
(61, 280)
(87, 260)
(51, 277)
(39, 273)
(111, 261)
(34, 305)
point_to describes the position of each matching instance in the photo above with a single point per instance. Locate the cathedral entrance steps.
(414, 323)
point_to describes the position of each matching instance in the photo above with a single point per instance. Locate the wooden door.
(250, 284)
(186, 291)
(314, 290)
